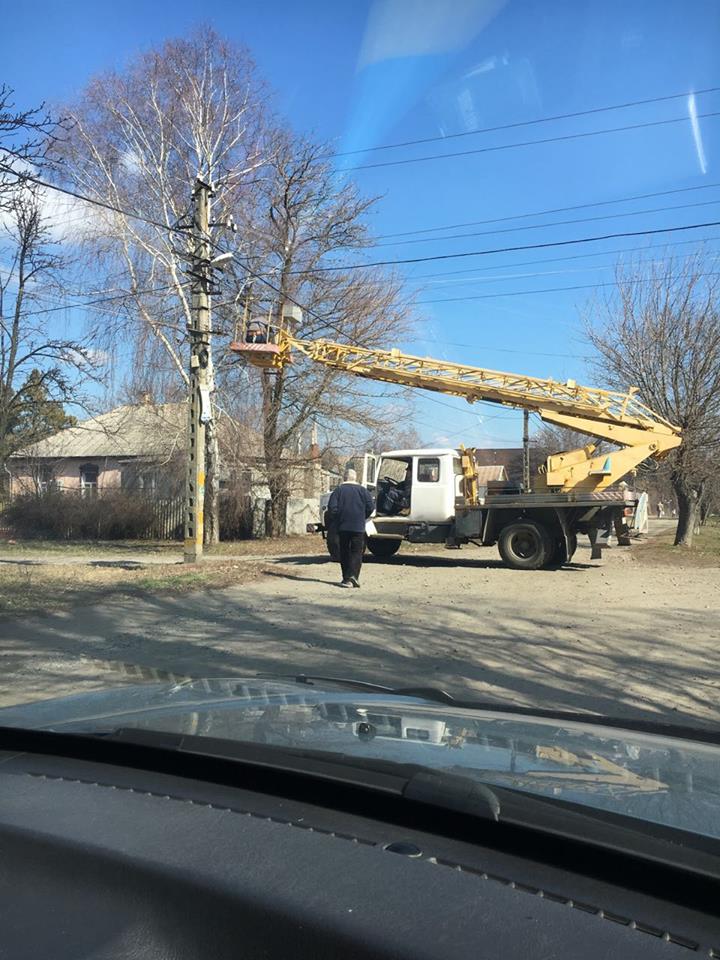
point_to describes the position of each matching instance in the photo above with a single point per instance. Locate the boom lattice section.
(620, 418)
(476, 383)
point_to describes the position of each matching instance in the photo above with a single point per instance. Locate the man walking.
(348, 508)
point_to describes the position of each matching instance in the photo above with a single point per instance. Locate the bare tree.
(39, 371)
(401, 435)
(308, 222)
(661, 333)
(139, 139)
(25, 136)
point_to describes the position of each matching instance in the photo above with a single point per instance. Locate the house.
(128, 448)
(141, 448)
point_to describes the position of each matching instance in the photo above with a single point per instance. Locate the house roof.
(142, 430)
(511, 458)
(490, 472)
(134, 430)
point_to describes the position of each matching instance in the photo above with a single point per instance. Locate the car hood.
(672, 780)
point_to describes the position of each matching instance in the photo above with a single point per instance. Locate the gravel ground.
(620, 636)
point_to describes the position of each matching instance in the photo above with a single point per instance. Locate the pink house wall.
(66, 474)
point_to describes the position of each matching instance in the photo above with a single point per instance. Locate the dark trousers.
(352, 547)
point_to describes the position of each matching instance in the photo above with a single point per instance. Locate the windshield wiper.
(440, 696)
(434, 694)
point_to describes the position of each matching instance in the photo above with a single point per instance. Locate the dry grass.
(59, 547)
(705, 551)
(300, 544)
(45, 583)
(42, 588)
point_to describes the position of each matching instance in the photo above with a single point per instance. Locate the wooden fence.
(169, 520)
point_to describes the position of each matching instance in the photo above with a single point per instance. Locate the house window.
(136, 478)
(89, 479)
(147, 481)
(45, 479)
(428, 470)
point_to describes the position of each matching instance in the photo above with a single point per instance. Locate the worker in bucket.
(349, 506)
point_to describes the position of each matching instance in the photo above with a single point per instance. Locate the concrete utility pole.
(199, 411)
(526, 451)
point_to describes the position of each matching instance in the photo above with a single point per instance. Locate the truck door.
(433, 489)
(369, 470)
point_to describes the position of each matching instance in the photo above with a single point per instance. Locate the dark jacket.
(349, 506)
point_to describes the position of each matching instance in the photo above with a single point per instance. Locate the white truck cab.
(414, 485)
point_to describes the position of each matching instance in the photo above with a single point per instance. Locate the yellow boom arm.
(611, 415)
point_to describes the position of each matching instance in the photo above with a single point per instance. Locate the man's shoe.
(355, 582)
(346, 584)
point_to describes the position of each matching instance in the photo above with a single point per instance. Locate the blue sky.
(365, 73)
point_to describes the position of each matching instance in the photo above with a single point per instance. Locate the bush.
(235, 515)
(113, 515)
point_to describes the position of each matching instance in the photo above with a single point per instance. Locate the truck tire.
(382, 548)
(526, 545)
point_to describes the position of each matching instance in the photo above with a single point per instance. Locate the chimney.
(314, 445)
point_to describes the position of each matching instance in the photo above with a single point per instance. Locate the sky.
(366, 73)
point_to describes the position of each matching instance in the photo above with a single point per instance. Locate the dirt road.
(614, 636)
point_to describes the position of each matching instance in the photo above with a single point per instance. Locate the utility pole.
(199, 411)
(526, 451)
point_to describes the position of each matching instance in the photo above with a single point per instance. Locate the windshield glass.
(241, 258)
(660, 778)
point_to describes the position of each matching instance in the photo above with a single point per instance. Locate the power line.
(450, 406)
(525, 143)
(467, 281)
(458, 279)
(577, 256)
(98, 203)
(522, 293)
(514, 249)
(91, 303)
(542, 213)
(527, 123)
(552, 223)
(526, 353)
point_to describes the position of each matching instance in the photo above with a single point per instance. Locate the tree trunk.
(275, 471)
(276, 516)
(687, 513)
(212, 485)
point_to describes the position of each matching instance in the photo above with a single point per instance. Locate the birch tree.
(139, 138)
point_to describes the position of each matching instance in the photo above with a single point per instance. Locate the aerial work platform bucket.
(264, 343)
(264, 355)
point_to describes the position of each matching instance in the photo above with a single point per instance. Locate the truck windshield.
(391, 469)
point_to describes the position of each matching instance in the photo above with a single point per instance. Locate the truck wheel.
(382, 548)
(526, 545)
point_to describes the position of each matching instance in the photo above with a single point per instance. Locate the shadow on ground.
(624, 662)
